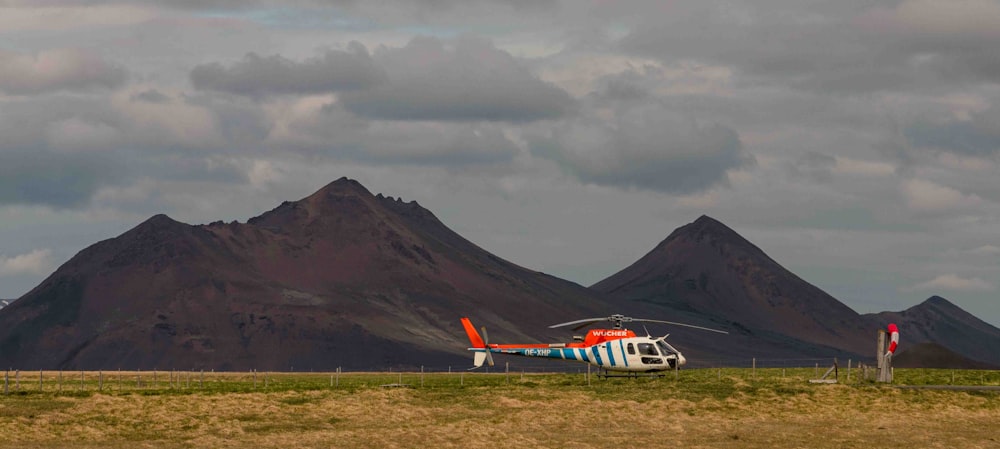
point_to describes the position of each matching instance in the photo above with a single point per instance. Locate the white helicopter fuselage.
(630, 354)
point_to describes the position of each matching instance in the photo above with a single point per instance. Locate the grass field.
(718, 408)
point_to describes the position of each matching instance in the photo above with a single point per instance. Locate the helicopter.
(611, 350)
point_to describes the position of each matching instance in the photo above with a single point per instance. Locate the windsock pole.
(888, 340)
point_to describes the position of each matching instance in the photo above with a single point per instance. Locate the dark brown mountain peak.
(341, 187)
(159, 222)
(157, 228)
(938, 306)
(937, 301)
(708, 229)
(342, 195)
(343, 199)
(707, 268)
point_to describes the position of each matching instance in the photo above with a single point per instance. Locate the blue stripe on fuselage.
(611, 355)
(583, 355)
(596, 350)
(621, 345)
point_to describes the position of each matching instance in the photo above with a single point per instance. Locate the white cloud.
(988, 250)
(850, 166)
(38, 262)
(925, 196)
(953, 18)
(75, 134)
(954, 282)
(59, 69)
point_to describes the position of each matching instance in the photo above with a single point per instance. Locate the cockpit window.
(647, 349)
(666, 348)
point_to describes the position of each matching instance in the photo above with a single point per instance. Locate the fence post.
(507, 371)
(338, 376)
(753, 369)
(848, 370)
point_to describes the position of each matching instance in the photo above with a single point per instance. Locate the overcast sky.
(855, 142)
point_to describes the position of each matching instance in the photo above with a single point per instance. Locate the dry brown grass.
(541, 411)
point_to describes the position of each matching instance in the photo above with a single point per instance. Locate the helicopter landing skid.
(629, 375)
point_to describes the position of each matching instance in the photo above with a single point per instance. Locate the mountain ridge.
(707, 269)
(343, 277)
(339, 278)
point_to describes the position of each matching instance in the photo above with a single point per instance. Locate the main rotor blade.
(581, 323)
(681, 324)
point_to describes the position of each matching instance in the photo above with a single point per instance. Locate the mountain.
(933, 355)
(706, 273)
(706, 269)
(938, 321)
(346, 278)
(340, 278)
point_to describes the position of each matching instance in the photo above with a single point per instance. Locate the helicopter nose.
(680, 359)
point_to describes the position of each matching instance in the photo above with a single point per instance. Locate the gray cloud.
(55, 70)
(813, 166)
(646, 145)
(150, 96)
(466, 79)
(842, 47)
(339, 133)
(34, 176)
(977, 135)
(60, 150)
(257, 76)
(470, 82)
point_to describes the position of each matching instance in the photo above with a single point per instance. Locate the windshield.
(666, 348)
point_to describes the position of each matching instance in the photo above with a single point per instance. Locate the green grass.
(712, 382)
(772, 407)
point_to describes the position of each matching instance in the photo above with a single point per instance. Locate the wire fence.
(20, 382)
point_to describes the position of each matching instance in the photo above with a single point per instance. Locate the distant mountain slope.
(933, 355)
(705, 268)
(340, 278)
(347, 278)
(938, 321)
